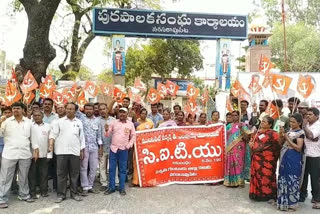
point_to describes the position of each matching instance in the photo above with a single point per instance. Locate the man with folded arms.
(16, 131)
(67, 137)
(123, 138)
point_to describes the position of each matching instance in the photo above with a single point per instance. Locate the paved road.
(184, 199)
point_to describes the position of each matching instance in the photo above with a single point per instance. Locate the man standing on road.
(16, 131)
(6, 112)
(93, 149)
(104, 119)
(67, 137)
(123, 138)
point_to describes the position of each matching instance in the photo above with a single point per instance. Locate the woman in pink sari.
(235, 152)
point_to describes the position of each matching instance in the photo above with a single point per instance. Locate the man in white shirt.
(16, 131)
(40, 137)
(312, 152)
(67, 137)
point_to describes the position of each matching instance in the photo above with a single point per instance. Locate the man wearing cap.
(303, 109)
(123, 138)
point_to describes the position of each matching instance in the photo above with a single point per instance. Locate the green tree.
(105, 76)
(162, 57)
(303, 47)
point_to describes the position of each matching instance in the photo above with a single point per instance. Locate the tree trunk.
(38, 52)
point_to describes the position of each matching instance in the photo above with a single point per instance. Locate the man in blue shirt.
(154, 115)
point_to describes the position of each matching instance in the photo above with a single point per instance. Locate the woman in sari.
(180, 119)
(235, 152)
(291, 165)
(167, 121)
(265, 150)
(143, 123)
(203, 119)
(191, 120)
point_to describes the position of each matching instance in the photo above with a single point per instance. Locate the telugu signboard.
(181, 155)
(147, 23)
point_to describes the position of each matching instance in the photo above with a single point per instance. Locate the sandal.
(316, 205)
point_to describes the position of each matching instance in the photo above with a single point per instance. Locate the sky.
(13, 28)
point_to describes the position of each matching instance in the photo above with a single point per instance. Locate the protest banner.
(181, 155)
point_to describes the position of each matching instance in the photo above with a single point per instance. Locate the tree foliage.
(303, 47)
(105, 76)
(162, 57)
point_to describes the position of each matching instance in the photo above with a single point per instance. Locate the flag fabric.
(29, 83)
(205, 96)
(12, 94)
(280, 84)
(254, 85)
(28, 97)
(305, 86)
(14, 78)
(118, 94)
(58, 98)
(106, 89)
(265, 65)
(153, 96)
(236, 88)
(44, 91)
(65, 93)
(138, 84)
(49, 83)
(72, 91)
(91, 88)
(191, 107)
(192, 92)
(162, 89)
(172, 88)
(272, 111)
(82, 99)
(267, 81)
(229, 105)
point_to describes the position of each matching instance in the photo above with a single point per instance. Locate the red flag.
(254, 86)
(28, 97)
(72, 91)
(205, 96)
(106, 89)
(91, 88)
(280, 83)
(172, 88)
(29, 83)
(305, 86)
(265, 65)
(153, 96)
(44, 92)
(267, 80)
(272, 111)
(138, 84)
(12, 94)
(191, 106)
(229, 105)
(49, 83)
(118, 94)
(14, 78)
(58, 98)
(82, 99)
(192, 92)
(162, 89)
(65, 93)
(236, 88)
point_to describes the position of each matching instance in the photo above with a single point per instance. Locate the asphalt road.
(185, 199)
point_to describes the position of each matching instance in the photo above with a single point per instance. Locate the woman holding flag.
(235, 152)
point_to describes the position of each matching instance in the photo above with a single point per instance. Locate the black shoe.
(33, 196)
(109, 191)
(122, 192)
(93, 191)
(84, 193)
(76, 198)
(59, 200)
(103, 188)
(45, 194)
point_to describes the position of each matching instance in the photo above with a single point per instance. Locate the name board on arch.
(167, 24)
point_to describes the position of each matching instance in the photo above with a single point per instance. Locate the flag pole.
(284, 36)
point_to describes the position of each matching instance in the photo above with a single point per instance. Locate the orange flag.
(153, 96)
(72, 91)
(118, 94)
(81, 99)
(272, 111)
(172, 88)
(229, 105)
(44, 92)
(65, 93)
(49, 84)
(14, 78)
(267, 80)
(205, 96)
(106, 89)
(265, 65)
(12, 94)
(305, 86)
(236, 88)
(29, 83)
(28, 97)
(192, 92)
(254, 86)
(91, 88)
(58, 98)
(138, 84)
(280, 83)
(162, 89)
(191, 106)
